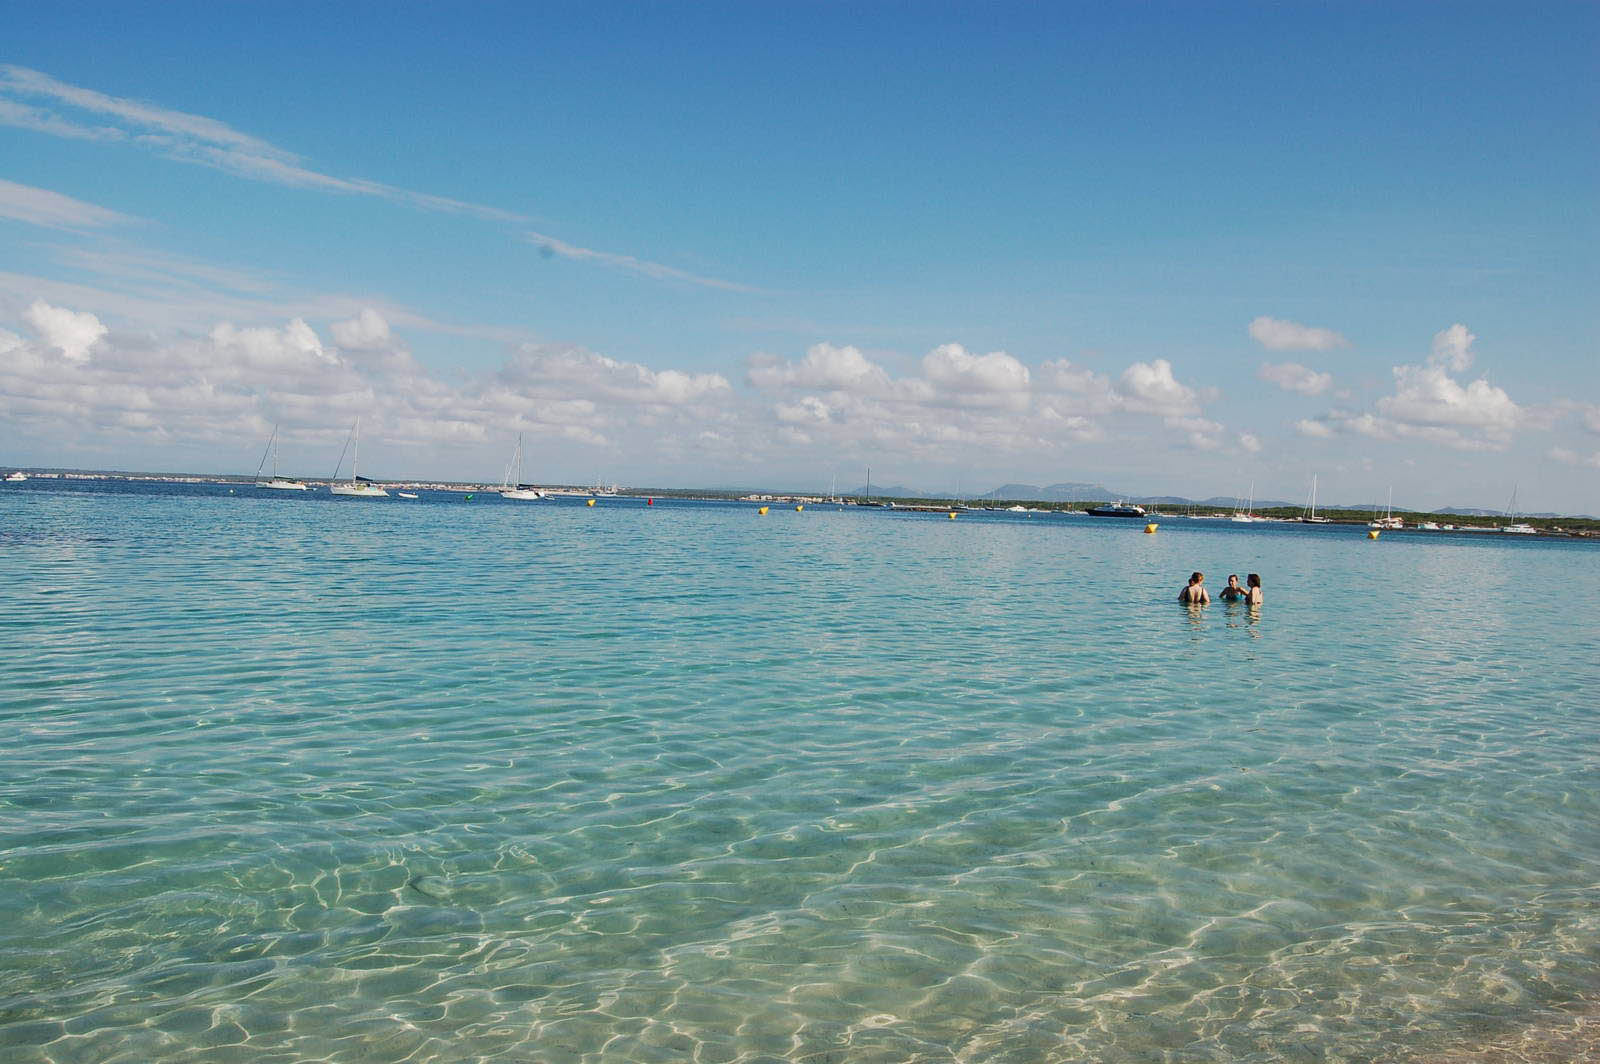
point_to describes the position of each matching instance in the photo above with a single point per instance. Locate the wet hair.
(1233, 576)
(1253, 580)
(1197, 578)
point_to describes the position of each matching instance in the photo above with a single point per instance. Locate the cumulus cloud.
(825, 367)
(1249, 443)
(70, 332)
(1151, 388)
(956, 371)
(1293, 377)
(1452, 348)
(367, 331)
(1315, 429)
(1427, 397)
(576, 371)
(1431, 405)
(1276, 334)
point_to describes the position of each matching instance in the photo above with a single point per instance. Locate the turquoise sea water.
(294, 779)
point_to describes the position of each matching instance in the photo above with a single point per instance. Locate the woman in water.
(1195, 594)
(1233, 591)
(1252, 594)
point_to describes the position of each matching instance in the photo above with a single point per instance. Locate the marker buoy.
(952, 515)
(1373, 534)
(649, 502)
(800, 509)
(469, 498)
(591, 502)
(762, 511)
(1150, 529)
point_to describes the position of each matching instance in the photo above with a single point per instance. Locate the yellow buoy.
(800, 508)
(1373, 534)
(591, 502)
(1150, 529)
(762, 511)
(952, 515)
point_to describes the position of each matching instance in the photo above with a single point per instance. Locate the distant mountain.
(894, 491)
(1067, 491)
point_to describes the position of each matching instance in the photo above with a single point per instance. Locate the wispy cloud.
(40, 206)
(203, 141)
(627, 262)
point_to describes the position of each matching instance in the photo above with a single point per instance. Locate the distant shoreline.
(1440, 523)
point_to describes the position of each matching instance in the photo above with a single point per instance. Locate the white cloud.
(1452, 348)
(1429, 404)
(72, 333)
(961, 378)
(1569, 457)
(1151, 388)
(1276, 334)
(1315, 429)
(825, 367)
(40, 206)
(1249, 443)
(1427, 397)
(567, 371)
(1591, 418)
(1293, 377)
(1202, 434)
(367, 331)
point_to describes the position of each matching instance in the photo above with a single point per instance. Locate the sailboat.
(512, 486)
(1388, 520)
(1310, 516)
(1244, 516)
(357, 486)
(16, 476)
(282, 483)
(1515, 525)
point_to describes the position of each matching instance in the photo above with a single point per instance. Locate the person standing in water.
(1252, 595)
(1195, 594)
(1233, 592)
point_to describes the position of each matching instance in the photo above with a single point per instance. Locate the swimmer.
(1252, 594)
(1195, 594)
(1233, 592)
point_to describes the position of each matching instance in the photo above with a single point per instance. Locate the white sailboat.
(356, 487)
(1388, 520)
(281, 483)
(1244, 516)
(1516, 526)
(511, 485)
(16, 476)
(1310, 516)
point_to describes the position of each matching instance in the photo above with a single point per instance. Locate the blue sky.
(1168, 248)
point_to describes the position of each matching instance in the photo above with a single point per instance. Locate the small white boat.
(280, 483)
(357, 487)
(406, 494)
(1429, 526)
(511, 486)
(16, 476)
(1521, 529)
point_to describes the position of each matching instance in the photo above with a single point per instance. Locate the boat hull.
(357, 491)
(1117, 511)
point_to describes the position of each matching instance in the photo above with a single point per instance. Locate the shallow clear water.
(304, 779)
